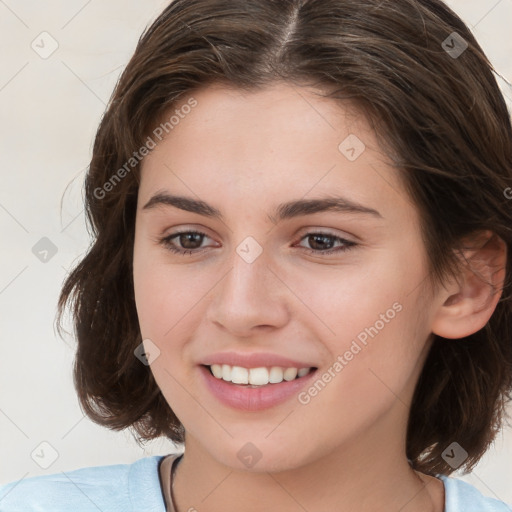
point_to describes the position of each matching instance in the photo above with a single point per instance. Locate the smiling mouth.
(257, 377)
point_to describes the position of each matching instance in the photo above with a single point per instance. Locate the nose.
(250, 297)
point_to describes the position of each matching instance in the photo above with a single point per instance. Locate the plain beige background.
(50, 107)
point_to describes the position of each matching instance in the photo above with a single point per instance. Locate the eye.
(322, 240)
(191, 241)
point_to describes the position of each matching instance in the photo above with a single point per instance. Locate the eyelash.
(166, 242)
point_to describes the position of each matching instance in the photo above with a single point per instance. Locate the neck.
(368, 473)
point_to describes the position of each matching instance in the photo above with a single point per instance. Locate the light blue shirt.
(136, 488)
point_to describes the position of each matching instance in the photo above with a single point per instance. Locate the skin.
(244, 153)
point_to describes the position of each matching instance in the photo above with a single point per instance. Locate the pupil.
(186, 237)
(321, 237)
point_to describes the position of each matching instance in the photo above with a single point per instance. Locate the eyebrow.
(284, 211)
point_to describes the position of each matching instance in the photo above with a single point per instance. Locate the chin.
(259, 456)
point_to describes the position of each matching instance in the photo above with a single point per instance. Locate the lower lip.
(253, 399)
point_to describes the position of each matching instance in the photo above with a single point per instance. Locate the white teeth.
(217, 370)
(290, 373)
(226, 372)
(260, 376)
(239, 375)
(276, 375)
(302, 372)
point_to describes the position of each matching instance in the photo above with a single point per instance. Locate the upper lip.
(254, 360)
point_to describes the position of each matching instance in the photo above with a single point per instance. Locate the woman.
(300, 269)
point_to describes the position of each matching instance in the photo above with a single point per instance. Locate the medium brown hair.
(440, 115)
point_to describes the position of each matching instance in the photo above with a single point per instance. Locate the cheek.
(164, 294)
(342, 302)
(368, 379)
(374, 324)
(164, 305)
(169, 300)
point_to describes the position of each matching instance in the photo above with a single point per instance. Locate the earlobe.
(467, 305)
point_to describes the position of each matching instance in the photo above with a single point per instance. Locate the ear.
(466, 304)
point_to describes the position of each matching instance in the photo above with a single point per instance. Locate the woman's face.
(278, 277)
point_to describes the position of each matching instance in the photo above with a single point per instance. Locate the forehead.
(263, 145)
